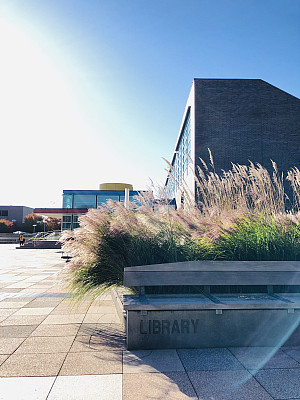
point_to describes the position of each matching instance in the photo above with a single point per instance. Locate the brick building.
(238, 120)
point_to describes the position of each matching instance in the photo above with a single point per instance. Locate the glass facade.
(102, 199)
(94, 199)
(66, 222)
(75, 221)
(74, 199)
(132, 199)
(67, 201)
(181, 159)
(70, 222)
(84, 201)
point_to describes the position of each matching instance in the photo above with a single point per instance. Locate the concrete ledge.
(41, 244)
(213, 320)
(214, 273)
(116, 297)
(211, 302)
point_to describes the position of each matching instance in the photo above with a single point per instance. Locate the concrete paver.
(227, 385)
(15, 331)
(280, 383)
(8, 345)
(56, 330)
(92, 363)
(208, 359)
(23, 320)
(255, 358)
(25, 388)
(139, 361)
(35, 364)
(54, 348)
(149, 386)
(104, 387)
(63, 319)
(36, 345)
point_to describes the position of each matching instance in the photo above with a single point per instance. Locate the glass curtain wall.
(181, 159)
(102, 199)
(67, 201)
(84, 201)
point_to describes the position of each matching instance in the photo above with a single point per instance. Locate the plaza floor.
(54, 348)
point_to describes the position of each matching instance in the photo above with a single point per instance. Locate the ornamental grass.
(241, 214)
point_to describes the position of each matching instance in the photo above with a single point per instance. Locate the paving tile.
(32, 365)
(157, 386)
(30, 291)
(6, 312)
(3, 357)
(227, 385)
(98, 343)
(217, 359)
(280, 383)
(101, 318)
(293, 352)
(23, 320)
(56, 330)
(13, 297)
(140, 361)
(8, 345)
(13, 304)
(104, 387)
(101, 329)
(75, 304)
(93, 363)
(37, 278)
(43, 302)
(19, 388)
(16, 331)
(63, 319)
(101, 310)
(263, 358)
(100, 303)
(34, 311)
(37, 345)
(20, 285)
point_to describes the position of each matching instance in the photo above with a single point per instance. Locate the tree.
(53, 224)
(6, 226)
(33, 219)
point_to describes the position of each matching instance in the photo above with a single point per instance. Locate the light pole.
(34, 228)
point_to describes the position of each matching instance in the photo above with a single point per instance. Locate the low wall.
(210, 319)
(210, 328)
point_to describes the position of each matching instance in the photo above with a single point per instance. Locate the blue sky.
(94, 91)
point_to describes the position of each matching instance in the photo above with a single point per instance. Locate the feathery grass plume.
(293, 176)
(240, 215)
(245, 189)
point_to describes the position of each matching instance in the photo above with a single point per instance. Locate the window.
(102, 199)
(84, 201)
(181, 159)
(75, 222)
(66, 222)
(67, 201)
(132, 199)
(70, 222)
(4, 213)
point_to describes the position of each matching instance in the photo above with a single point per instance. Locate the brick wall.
(246, 119)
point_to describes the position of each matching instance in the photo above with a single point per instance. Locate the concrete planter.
(213, 319)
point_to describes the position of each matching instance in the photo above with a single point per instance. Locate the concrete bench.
(213, 319)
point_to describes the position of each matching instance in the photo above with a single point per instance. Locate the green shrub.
(259, 240)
